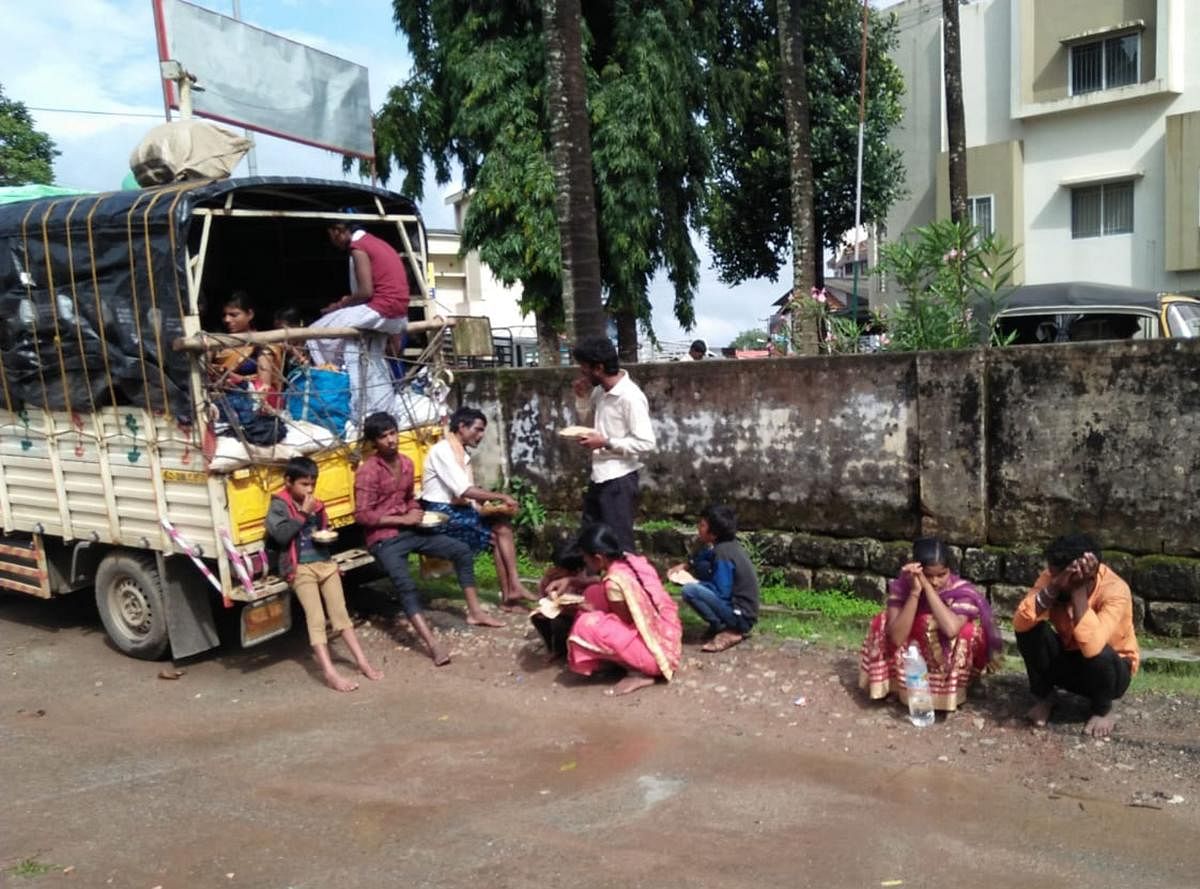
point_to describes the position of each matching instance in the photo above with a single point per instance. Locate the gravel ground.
(501, 770)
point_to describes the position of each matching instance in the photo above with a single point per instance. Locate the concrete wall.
(1181, 207)
(1003, 447)
(1052, 20)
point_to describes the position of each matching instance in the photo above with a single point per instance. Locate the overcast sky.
(99, 56)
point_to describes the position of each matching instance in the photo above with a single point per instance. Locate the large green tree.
(26, 155)
(477, 97)
(748, 211)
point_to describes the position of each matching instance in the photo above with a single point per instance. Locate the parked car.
(1076, 311)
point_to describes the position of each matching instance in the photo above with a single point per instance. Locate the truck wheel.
(130, 600)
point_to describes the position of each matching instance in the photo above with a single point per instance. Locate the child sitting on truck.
(295, 514)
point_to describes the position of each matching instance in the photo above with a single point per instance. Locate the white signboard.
(259, 80)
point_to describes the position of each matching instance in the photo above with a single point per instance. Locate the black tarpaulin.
(93, 288)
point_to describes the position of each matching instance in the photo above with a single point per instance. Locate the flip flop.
(723, 641)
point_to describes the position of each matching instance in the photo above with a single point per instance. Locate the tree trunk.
(547, 339)
(795, 104)
(627, 337)
(571, 147)
(819, 252)
(956, 127)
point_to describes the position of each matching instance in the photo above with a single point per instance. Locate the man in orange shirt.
(1075, 632)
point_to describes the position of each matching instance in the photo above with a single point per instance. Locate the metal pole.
(252, 154)
(862, 118)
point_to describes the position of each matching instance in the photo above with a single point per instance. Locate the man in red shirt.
(391, 518)
(378, 306)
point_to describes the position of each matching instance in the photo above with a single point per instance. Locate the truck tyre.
(130, 600)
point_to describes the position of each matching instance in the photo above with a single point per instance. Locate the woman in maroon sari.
(949, 620)
(627, 618)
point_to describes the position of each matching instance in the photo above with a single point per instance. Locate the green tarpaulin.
(10, 194)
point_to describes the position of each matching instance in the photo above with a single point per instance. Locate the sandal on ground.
(723, 641)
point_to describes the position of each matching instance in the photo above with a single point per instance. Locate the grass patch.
(830, 618)
(30, 867)
(659, 525)
(1158, 682)
(831, 604)
(486, 578)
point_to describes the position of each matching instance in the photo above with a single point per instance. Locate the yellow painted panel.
(249, 490)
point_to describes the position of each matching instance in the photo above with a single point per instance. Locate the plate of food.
(497, 507)
(575, 431)
(553, 607)
(325, 535)
(434, 519)
(681, 576)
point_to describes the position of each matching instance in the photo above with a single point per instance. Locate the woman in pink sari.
(949, 620)
(627, 618)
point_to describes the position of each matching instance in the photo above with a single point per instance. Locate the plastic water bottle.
(916, 680)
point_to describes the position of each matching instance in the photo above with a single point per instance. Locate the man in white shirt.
(612, 404)
(448, 486)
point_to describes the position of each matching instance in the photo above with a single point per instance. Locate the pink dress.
(635, 623)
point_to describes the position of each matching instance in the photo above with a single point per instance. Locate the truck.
(108, 424)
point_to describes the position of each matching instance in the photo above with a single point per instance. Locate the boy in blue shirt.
(726, 591)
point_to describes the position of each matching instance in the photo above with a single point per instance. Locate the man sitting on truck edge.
(294, 515)
(391, 519)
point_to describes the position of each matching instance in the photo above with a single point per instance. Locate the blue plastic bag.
(319, 396)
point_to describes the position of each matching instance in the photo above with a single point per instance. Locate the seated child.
(295, 355)
(306, 564)
(726, 592)
(568, 562)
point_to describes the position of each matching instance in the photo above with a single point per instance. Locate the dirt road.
(500, 772)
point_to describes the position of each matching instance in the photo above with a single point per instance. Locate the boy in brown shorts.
(305, 563)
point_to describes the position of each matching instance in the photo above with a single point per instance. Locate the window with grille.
(1104, 64)
(980, 211)
(1098, 210)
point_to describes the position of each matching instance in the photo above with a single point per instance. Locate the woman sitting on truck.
(259, 367)
(247, 379)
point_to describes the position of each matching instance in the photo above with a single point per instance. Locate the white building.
(464, 285)
(1083, 134)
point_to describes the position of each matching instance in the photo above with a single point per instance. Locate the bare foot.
(514, 605)
(523, 593)
(482, 619)
(371, 673)
(1100, 726)
(1039, 713)
(340, 683)
(631, 683)
(440, 656)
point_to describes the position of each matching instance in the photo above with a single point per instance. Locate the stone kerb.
(1166, 590)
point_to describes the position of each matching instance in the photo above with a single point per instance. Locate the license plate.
(266, 619)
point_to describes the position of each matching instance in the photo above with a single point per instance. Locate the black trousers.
(392, 556)
(614, 503)
(1101, 679)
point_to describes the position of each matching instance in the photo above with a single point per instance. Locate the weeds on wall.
(953, 279)
(533, 511)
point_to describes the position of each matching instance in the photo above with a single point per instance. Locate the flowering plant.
(948, 272)
(834, 334)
